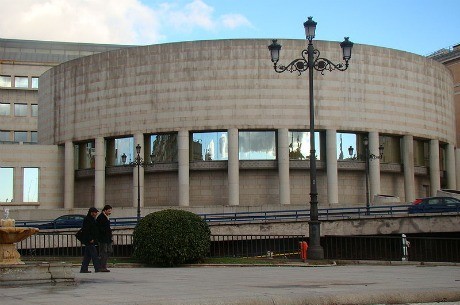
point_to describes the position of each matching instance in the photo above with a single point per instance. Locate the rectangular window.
(5, 81)
(346, 146)
(124, 146)
(20, 109)
(257, 145)
(209, 146)
(5, 109)
(21, 82)
(299, 145)
(33, 136)
(34, 110)
(163, 148)
(4, 136)
(20, 136)
(6, 184)
(30, 183)
(34, 83)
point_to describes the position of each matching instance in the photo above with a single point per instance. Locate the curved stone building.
(224, 129)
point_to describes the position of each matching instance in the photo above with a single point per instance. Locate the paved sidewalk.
(352, 284)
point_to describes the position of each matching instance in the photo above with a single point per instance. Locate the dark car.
(435, 205)
(64, 222)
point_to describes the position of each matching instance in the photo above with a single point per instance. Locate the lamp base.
(315, 250)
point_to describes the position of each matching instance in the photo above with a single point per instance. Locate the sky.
(417, 26)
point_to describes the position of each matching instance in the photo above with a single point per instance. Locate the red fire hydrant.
(303, 250)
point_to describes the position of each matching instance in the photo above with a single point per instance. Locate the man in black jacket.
(90, 238)
(105, 236)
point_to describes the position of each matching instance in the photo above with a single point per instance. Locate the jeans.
(90, 254)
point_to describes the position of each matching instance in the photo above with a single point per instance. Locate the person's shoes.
(103, 270)
(85, 271)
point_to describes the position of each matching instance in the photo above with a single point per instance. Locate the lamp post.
(310, 60)
(370, 157)
(138, 162)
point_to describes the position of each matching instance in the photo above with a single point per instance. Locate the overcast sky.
(418, 26)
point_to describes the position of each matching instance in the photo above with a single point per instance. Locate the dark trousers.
(90, 254)
(105, 249)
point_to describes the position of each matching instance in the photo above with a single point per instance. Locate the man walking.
(105, 236)
(90, 237)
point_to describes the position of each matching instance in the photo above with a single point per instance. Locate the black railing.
(383, 248)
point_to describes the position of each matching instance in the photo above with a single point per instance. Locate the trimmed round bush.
(171, 237)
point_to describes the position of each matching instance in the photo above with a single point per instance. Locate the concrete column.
(69, 175)
(184, 175)
(233, 168)
(83, 160)
(111, 154)
(331, 167)
(99, 174)
(435, 178)
(408, 164)
(457, 167)
(450, 167)
(283, 166)
(138, 178)
(18, 184)
(374, 165)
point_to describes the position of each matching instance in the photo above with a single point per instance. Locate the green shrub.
(170, 238)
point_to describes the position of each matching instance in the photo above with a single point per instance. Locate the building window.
(20, 109)
(346, 146)
(33, 136)
(4, 136)
(257, 145)
(20, 136)
(34, 83)
(124, 146)
(299, 145)
(21, 82)
(34, 110)
(5, 81)
(5, 109)
(163, 147)
(392, 149)
(209, 146)
(30, 184)
(6, 184)
(421, 152)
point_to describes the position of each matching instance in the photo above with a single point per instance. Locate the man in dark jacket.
(90, 238)
(105, 236)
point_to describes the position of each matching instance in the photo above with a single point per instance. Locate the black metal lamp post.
(138, 162)
(368, 158)
(310, 61)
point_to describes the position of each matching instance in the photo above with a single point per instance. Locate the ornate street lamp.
(138, 162)
(310, 60)
(368, 158)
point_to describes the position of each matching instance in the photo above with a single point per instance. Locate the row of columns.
(283, 168)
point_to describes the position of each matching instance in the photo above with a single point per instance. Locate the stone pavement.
(233, 285)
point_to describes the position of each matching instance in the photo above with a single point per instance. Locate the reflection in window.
(421, 153)
(5, 81)
(209, 146)
(6, 184)
(346, 146)
(124, 146)
(34, 110)
(30, 184)
(299, 145)
(164, 148)
(256, 145)
(4, 109)
(4, 136)
(20, 109)
(33, 136)
(20, 136)
(392, 149)
(21, 82)
(34, 83)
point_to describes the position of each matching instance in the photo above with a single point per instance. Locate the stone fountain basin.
(11, 235)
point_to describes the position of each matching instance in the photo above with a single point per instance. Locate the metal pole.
(138, 189)
(315, 251)
(368, 203)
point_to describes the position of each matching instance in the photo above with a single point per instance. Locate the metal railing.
(386, 248)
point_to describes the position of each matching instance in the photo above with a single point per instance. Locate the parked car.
(64, 222)
(435, 205)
